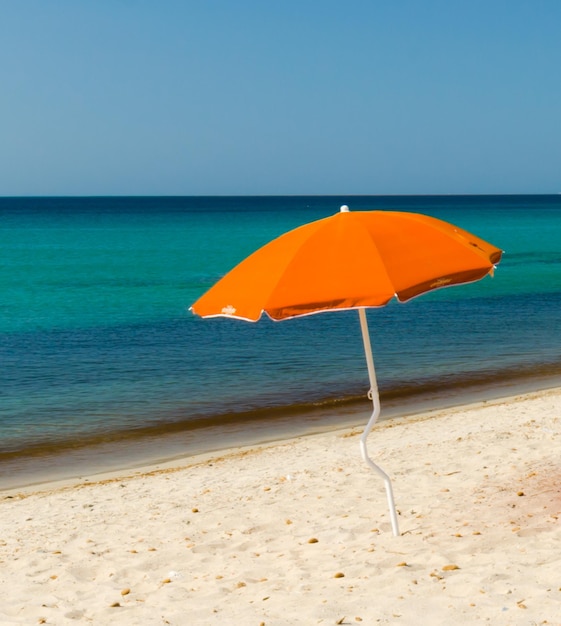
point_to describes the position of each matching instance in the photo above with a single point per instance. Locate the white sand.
(258, 536)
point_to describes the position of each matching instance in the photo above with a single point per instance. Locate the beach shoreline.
(134, 452)
(239, 445)
(298, 531)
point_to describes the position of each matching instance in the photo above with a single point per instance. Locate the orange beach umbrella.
(351, 260)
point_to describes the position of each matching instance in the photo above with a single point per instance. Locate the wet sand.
(171, 441)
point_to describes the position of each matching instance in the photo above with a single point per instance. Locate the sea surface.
(102, 362)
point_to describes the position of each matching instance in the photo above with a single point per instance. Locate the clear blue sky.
(189, 97)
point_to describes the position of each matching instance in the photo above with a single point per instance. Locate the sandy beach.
(298, 532)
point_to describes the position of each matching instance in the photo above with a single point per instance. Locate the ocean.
(104, 366)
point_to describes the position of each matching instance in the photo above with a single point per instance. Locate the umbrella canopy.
(351, 260)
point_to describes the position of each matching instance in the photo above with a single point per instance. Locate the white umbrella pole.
(375, 414)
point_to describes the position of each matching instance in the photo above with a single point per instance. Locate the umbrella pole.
(374, 396)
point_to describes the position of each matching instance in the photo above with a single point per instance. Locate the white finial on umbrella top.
(344, 209)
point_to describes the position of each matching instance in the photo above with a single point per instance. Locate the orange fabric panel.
(352, 259)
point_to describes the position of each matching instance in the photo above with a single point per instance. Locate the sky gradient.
(220, 97)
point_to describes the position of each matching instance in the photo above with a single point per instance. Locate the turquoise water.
(96, 340)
